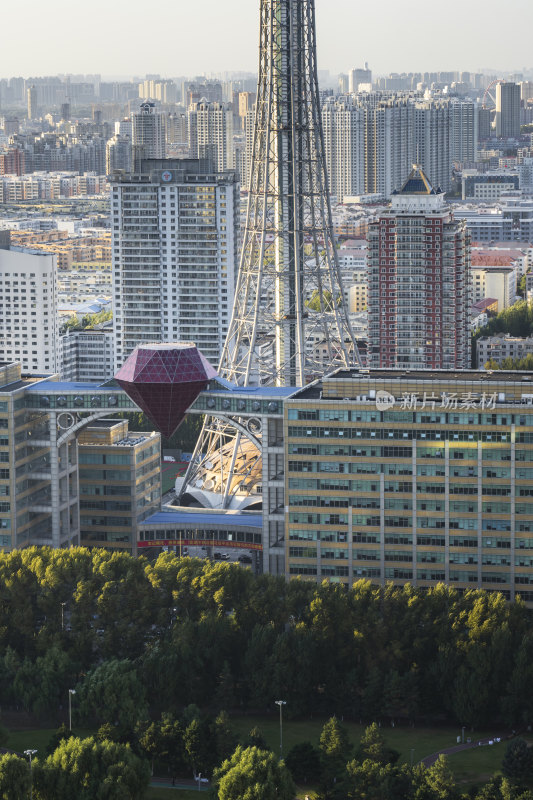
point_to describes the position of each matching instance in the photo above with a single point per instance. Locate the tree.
(225, 695)
(172, 746)
(335, 750)
(253, 774)
(112, 693)
(374, 781)
(14, 777)
(517, 702)
(225, 738)
(150, 740)
(87, 769)
(372, 746)
(62, 733)
(200, 746)
(257, 739)
(440, 781)
(303, 762)
(517, 764)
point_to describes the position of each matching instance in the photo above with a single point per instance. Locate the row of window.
(469, 435)
(423, 540)
(359, 415)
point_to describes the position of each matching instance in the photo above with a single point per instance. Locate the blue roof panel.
(230, 518)
(72, 386)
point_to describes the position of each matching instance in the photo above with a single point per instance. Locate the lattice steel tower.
(289, 322)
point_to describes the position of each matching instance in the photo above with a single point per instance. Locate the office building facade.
(419, 282)
(415, 478)
(119, 481)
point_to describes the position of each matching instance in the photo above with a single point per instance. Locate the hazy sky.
(133, 37)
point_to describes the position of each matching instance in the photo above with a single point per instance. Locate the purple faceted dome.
(164, 380)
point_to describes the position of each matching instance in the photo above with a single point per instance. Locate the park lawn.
(477, 765)
(423, 741)
(38, 739)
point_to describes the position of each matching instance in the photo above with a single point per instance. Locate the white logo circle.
(166, 176)
(384, 400)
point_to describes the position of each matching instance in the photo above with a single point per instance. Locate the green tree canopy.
(253, 774)
(87, 769)
(14, 777)
(112, 692)
(517, 764)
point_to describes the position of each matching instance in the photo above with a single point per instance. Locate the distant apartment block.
(488, 187)
(502, 346)
(28, 310)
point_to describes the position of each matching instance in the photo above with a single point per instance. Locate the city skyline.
(198, 47)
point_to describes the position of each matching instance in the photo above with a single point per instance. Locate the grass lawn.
(37, 739)
(474, 766)
(169, 472)
(477, 765)
(468, 766)
(423, 741)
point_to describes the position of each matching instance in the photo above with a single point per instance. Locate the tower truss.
(289, 323)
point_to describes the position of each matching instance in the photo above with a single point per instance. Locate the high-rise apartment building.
(174, 235)
(118, 154)
(344, 140)
(484, 116)
(371, 140)
(148, 132)
(357, 76)
(246, 104)
(210, 133)
(31, 96)
(28, 310)
(419, 282)
(507, 110)
(432, 138)
(464, 130)
(389, 142)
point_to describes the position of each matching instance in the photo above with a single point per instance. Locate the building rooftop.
(227, 519)
(416, 183)
(60, 387)
(434, 375)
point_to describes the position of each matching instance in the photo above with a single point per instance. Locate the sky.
(179, 37)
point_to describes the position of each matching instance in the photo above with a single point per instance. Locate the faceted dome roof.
(164, 380)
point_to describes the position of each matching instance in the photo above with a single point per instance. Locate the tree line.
(135, 638)
(102, 767)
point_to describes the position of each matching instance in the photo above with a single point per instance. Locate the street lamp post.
(30, 753)
(70, 693)
(281, 703)
(63, 616)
